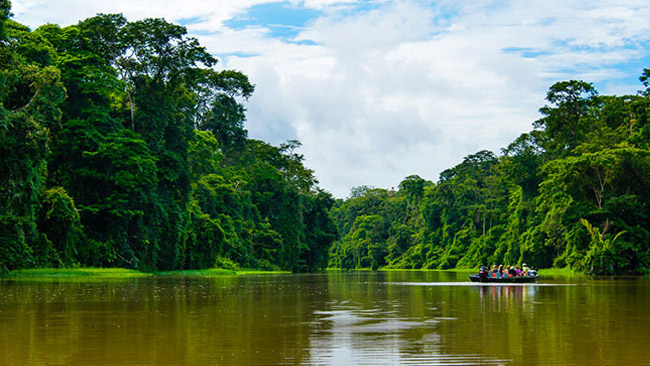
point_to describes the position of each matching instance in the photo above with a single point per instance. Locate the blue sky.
(283, 20)
(379, 90)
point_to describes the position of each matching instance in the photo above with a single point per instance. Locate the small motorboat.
(485, 276)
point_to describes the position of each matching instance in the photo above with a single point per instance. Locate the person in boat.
(519, 271)
(483, 273)
(525, 269)
(500, 272)
(494, 270)
(512, 272)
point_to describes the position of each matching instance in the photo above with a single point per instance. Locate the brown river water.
(337, 318)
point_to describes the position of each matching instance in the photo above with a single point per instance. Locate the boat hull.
(522, 279)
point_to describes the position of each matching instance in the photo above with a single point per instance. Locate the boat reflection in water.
(508, 295)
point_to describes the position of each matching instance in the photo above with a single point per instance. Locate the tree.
(565, 121)
(5, 13)
(221, 112)
(60, 224)
(522, 161)
(123, 217)
(601, 258)
(31, 94)
(147, 161)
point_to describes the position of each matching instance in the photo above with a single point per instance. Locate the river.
(337, 318)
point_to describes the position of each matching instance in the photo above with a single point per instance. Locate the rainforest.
(123, 145)
(573, 192)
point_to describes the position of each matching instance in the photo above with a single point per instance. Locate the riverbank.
(548, 271)
(404, 270)
(122, 273)
(565, 272)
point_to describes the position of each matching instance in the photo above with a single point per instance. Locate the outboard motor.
(483, 273)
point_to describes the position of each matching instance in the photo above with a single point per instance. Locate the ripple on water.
(351, 335)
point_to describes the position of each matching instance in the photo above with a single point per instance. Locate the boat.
(520, 279)
(485, 276)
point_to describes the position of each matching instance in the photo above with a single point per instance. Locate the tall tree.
(566, 121)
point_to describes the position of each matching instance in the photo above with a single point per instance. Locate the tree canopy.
(123, 146)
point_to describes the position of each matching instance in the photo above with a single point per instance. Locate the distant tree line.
(575, 191)
(121, 146)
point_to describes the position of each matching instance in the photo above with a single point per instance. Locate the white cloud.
(407, 96)
(210, 14)
(409, 87)
(386, 101)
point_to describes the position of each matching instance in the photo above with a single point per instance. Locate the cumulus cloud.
(395, 94)
(411, 89)
(380, 90)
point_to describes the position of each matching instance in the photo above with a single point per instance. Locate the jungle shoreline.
(124, 273)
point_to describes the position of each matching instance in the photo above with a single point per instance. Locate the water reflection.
(351, 334)
(502, 298)
(151, 321)
(358, 318)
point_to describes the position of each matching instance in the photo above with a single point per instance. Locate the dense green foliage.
(122, 146)
(573, 192)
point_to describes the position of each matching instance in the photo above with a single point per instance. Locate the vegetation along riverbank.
(573, 192)
(123, 147)
(123, 273)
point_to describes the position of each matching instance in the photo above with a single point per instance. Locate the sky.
(380, 90)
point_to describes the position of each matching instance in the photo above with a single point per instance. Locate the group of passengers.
(509, 271)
